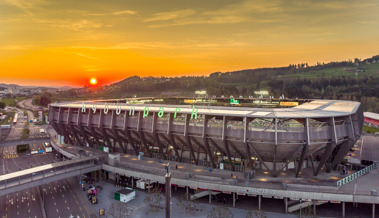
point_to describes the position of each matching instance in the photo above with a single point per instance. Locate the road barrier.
(356, 175)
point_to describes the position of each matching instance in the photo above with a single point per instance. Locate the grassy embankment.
(368, 129)
(12, 102)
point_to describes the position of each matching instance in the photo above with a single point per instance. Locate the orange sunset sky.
(66, 42)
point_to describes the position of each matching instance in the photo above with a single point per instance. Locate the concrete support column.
(148, 183)
(234, 199)
(259, 202)
(314, 207)
(132, 182)
(187, 193)
(210, 198)
(373, 210)
(343, 209)
(286, 205)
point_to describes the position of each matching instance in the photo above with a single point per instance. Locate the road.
(28, 105)
(16, 129)
(60, 198)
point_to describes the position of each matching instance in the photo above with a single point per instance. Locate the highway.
(61, 198)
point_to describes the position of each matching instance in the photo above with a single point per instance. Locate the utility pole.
(168, 190)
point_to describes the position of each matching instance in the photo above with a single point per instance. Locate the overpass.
(24, 141)
(24, 179)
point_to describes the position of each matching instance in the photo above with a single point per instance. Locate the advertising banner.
(289, 103)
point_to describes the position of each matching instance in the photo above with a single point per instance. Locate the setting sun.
(93, 81)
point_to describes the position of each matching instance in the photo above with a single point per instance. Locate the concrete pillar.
(234, 199)
(259, 202)
(132, 182)
(373, 210)
(314, 207)
(210, 198)
(187, 193)
(343, 209)
(148, 183)
(286, 205)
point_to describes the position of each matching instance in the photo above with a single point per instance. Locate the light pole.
(168, 190)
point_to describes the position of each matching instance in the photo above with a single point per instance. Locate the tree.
(118, 210)
(219, 212)
(2, 105)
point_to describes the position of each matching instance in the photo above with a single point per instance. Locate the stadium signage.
(145, 111)
(258, 191)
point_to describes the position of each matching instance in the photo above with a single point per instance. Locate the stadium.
(235, 134)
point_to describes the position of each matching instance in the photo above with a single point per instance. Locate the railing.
(356, 175)
(45, 172)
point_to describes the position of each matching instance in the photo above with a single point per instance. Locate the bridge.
(24, 179)
(24, 141)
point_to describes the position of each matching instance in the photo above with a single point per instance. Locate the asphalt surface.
(21, 204)
(60, 198)
(16, 129)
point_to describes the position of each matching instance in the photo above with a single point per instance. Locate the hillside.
(349, 80)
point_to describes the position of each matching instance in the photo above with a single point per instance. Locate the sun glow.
(93, 81)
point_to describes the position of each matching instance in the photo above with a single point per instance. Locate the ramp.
(203, 194)
(297, 205)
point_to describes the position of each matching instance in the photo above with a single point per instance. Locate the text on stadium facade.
(145, 111)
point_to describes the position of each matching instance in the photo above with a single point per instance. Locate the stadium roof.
(313, 109)
(371, 115)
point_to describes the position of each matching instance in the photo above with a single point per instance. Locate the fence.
(356, 175)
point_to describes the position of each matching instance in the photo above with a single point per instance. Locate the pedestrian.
(176, 166)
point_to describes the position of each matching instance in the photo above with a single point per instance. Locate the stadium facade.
(239, 138)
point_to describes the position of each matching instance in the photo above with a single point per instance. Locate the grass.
(368, 129)
(25, 132)
(370, 70)
(12, 102)
(8, 117)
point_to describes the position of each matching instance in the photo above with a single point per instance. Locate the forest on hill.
(356, 80)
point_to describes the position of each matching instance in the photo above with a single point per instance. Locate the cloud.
(124, 12)
(15, 47)
(164, 16)
(21, 4)
(87, 13)
(87, 56)
(71, 24)
(91, 68)
(24, 5)
(164, 45)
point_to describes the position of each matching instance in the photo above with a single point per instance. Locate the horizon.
(158, 76)
(54, 43)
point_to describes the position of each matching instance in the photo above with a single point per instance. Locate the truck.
(142, 184)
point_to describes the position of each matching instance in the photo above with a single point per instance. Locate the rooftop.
(313, 109)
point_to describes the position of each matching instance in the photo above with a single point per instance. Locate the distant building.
(371, 119)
